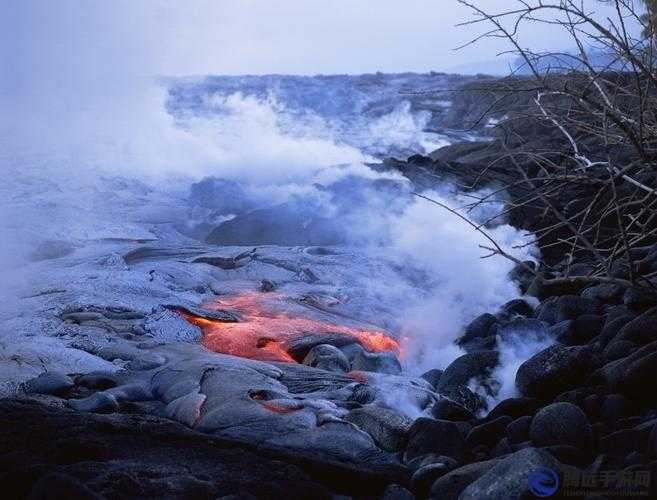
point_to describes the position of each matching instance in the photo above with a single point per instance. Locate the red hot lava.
(266, 333)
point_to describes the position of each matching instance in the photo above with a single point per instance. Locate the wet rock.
(618, 350)
(625, 441)
(186, 409)
(509, 477)
(388, 428)
(423, 478)
(501, 448)
(561, 424)
(50, 382)
(638, 377)
(580, 330)
(522, 329)
(515, 407)
(397, 492)
(463, 396)
(608, 293)
(167, 326)
(640, 299)
(58, 485)
(450, 486)
(612, 326)
(480, 327)
(327, 357)
(283, 225)
(472, 366)
(435, 436)
(382, 362)
(445, 409)
(554, 370)
(432, 376)
(557, 309)
(613, 407)
(522, 275)
(517, 307)
(99, 402)
(267, 286)
(97, 381)
(518, 430)
(488, 433)
(642, 329)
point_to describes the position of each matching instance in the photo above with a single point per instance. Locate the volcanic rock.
(518, 430)
(432, 376)
(50, 382)
(450, 486)
(515, 407)
(642, 329)
(445, 409)
(557, 309)
(472, 366)
(561, 424)
(423, 478)
(488, 433)
(380, 362)
(435, 436)
(327, 357)
(509, 477)
(397, 492)
(388, 428)
(609, 293)
(284, 225)
(554, 370)
(517, 307)
(640, 299)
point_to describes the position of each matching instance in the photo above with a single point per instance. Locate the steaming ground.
(101, 237)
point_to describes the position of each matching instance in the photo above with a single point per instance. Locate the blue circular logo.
(543, 482)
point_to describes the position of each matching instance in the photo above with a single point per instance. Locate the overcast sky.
(247, 36)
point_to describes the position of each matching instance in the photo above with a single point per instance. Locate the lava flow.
(268, 334)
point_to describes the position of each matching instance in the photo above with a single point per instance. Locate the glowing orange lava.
(266, 333)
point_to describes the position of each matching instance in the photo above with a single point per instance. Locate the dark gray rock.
(50, 382)
(97, 381)
(480, 327)
(476, 366)
(638, 379)
(423, 478)
(608, 293)
(642, 329)
(99, 402)
(618, 350)
(518, 430)
(561, 424)
(445, 409)
(452, 484)
(612, 326)
(432, 376)
(557, 309)
(62, 486)
(554, 370)
(380, 362)
(517, 307)
(509, 477)
(284, 225)
(522, 329)
(522, 275)
(515, 407)
(397, 492)
(488, 433)
(435, 436)
(501, 448)
(613, 407)
(327, 357)
(640, 299)
(388, 428)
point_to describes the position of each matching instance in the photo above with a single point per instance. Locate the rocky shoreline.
(142, 410)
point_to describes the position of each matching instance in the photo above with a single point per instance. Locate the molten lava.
(266, 333)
